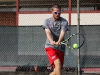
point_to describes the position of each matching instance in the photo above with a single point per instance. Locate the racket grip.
(54, 43)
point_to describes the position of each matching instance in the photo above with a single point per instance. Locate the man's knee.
(57, 63)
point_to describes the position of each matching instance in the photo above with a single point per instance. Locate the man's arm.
(49, 36)
(62, 34)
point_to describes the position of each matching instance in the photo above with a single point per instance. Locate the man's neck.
(55, 19)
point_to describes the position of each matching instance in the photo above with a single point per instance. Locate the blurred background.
(22, 38)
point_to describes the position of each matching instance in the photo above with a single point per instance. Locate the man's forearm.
(49, 36)
(62, 34)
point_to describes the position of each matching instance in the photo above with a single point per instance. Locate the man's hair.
(56, 6)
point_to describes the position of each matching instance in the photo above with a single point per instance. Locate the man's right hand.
(53, 42)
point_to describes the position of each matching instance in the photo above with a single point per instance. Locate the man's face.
(56, 13)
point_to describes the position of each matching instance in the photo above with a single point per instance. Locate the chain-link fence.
(45, 5)
(13, 13)
(41, 5)
(24, 46)
(86, 5)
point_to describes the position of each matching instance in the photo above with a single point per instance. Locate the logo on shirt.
(51, 26)
(57, 26)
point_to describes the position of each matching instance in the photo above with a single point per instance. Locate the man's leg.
(57, 64)
(52, 73)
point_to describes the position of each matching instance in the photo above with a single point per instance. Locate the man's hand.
(57, 43)
(53, 42)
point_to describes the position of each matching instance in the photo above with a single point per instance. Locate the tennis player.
(55, 28)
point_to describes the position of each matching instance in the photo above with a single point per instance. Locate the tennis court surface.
(12, 71)
(43, 73)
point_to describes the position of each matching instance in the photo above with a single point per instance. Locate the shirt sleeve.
(45, 24)
(65, 26)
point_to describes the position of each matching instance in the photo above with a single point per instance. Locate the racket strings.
(75, 39)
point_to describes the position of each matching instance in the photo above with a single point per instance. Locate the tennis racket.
(74, 39)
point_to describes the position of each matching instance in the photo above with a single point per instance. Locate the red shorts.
(54, 54)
